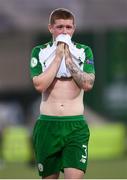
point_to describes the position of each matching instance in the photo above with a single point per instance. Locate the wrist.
(58, 59)
(68, 60)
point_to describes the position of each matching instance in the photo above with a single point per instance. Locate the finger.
(67, 46)
(60, 44)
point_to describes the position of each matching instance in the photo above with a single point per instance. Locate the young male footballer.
(62, 71)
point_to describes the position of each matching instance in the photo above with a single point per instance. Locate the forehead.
(63, 22)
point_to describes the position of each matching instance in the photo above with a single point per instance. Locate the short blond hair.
(61, 13)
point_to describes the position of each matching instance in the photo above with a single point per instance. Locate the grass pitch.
(101, 169)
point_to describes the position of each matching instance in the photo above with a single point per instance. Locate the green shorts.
(60, 142)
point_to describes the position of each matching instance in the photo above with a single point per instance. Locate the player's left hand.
(67, 54)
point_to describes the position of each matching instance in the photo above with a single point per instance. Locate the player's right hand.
(60, 50)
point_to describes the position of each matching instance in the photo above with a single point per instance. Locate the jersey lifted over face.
(43, 55)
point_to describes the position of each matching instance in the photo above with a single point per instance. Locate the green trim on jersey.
(88, 65)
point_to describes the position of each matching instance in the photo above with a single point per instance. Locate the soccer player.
(62, 70)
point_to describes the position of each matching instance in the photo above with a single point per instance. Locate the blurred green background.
(102, 25)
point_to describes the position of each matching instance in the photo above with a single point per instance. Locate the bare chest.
(63, 89)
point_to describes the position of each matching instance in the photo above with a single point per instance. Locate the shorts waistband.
(61, 118)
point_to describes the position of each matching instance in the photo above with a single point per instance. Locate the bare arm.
(84, 80)
(44, 80)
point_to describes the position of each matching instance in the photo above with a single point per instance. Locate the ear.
(74, 28)
(50, 28)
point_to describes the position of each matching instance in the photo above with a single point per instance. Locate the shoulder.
(38, 48)
(80, 46)
(87, 50)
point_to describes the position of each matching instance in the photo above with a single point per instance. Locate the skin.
(63, 96)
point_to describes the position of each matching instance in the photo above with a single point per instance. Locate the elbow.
(88, 84)
(38, 86)
(39, 89)
(87, 87)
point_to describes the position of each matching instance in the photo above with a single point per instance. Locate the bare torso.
(62, 98)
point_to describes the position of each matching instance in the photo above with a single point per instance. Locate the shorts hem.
(43, 175)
